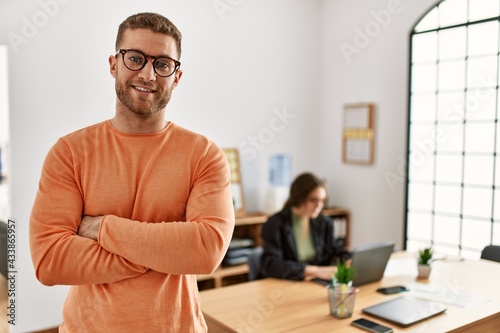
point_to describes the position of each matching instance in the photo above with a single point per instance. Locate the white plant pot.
(424, 271)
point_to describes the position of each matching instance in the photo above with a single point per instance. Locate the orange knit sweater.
(168, 215)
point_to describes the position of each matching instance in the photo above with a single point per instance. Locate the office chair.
(491, 252)
(254, 263)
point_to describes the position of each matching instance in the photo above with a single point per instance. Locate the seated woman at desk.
(299, 240)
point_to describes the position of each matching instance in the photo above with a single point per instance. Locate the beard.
(139, 105)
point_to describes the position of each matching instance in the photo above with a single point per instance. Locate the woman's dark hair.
(301, 187)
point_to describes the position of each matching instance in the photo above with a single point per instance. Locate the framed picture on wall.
(233, 158)
(358, 134)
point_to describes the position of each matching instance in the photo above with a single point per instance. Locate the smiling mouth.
(143, 89)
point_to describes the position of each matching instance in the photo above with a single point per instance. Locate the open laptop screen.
(370, 261)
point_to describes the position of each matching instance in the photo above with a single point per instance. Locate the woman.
(299, 241)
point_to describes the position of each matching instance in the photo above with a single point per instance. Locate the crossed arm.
(89, 227)
(70, 249)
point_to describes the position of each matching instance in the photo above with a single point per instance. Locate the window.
(453, 189)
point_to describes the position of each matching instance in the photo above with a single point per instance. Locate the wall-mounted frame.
(233, 158)
(358, 134)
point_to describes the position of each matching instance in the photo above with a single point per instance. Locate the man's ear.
(178, 75)
(112, 66)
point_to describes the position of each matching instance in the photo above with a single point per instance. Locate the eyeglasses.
(136, 60)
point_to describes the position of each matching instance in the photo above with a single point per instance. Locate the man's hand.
(89, 227)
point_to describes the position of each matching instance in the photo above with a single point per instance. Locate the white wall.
(242, 67)
(365, 49)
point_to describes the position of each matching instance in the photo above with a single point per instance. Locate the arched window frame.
(453, 163)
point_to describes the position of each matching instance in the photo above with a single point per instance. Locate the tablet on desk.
(405, 311)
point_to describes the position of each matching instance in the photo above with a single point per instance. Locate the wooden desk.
(273, 305)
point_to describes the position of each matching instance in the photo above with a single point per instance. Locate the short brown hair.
(152, 21)
(301, 187)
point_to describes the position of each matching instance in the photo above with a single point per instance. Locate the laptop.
(405, 310)
(370, 261)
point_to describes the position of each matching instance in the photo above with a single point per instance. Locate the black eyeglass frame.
(124, 51)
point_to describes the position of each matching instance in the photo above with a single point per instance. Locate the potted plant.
(344, 274)
(341, 293)
(424, 259)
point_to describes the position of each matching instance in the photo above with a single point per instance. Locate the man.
(130, 209)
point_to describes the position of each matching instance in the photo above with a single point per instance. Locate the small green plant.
(425, 256)
(345, 273)
(342, 279)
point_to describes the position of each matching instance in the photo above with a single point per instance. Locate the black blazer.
(280, 258)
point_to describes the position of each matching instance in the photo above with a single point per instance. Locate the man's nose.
(147, 73)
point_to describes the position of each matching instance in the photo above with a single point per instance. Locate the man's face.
(143, 92)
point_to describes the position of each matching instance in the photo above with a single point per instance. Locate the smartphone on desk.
(371, 326)
(392, 290)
